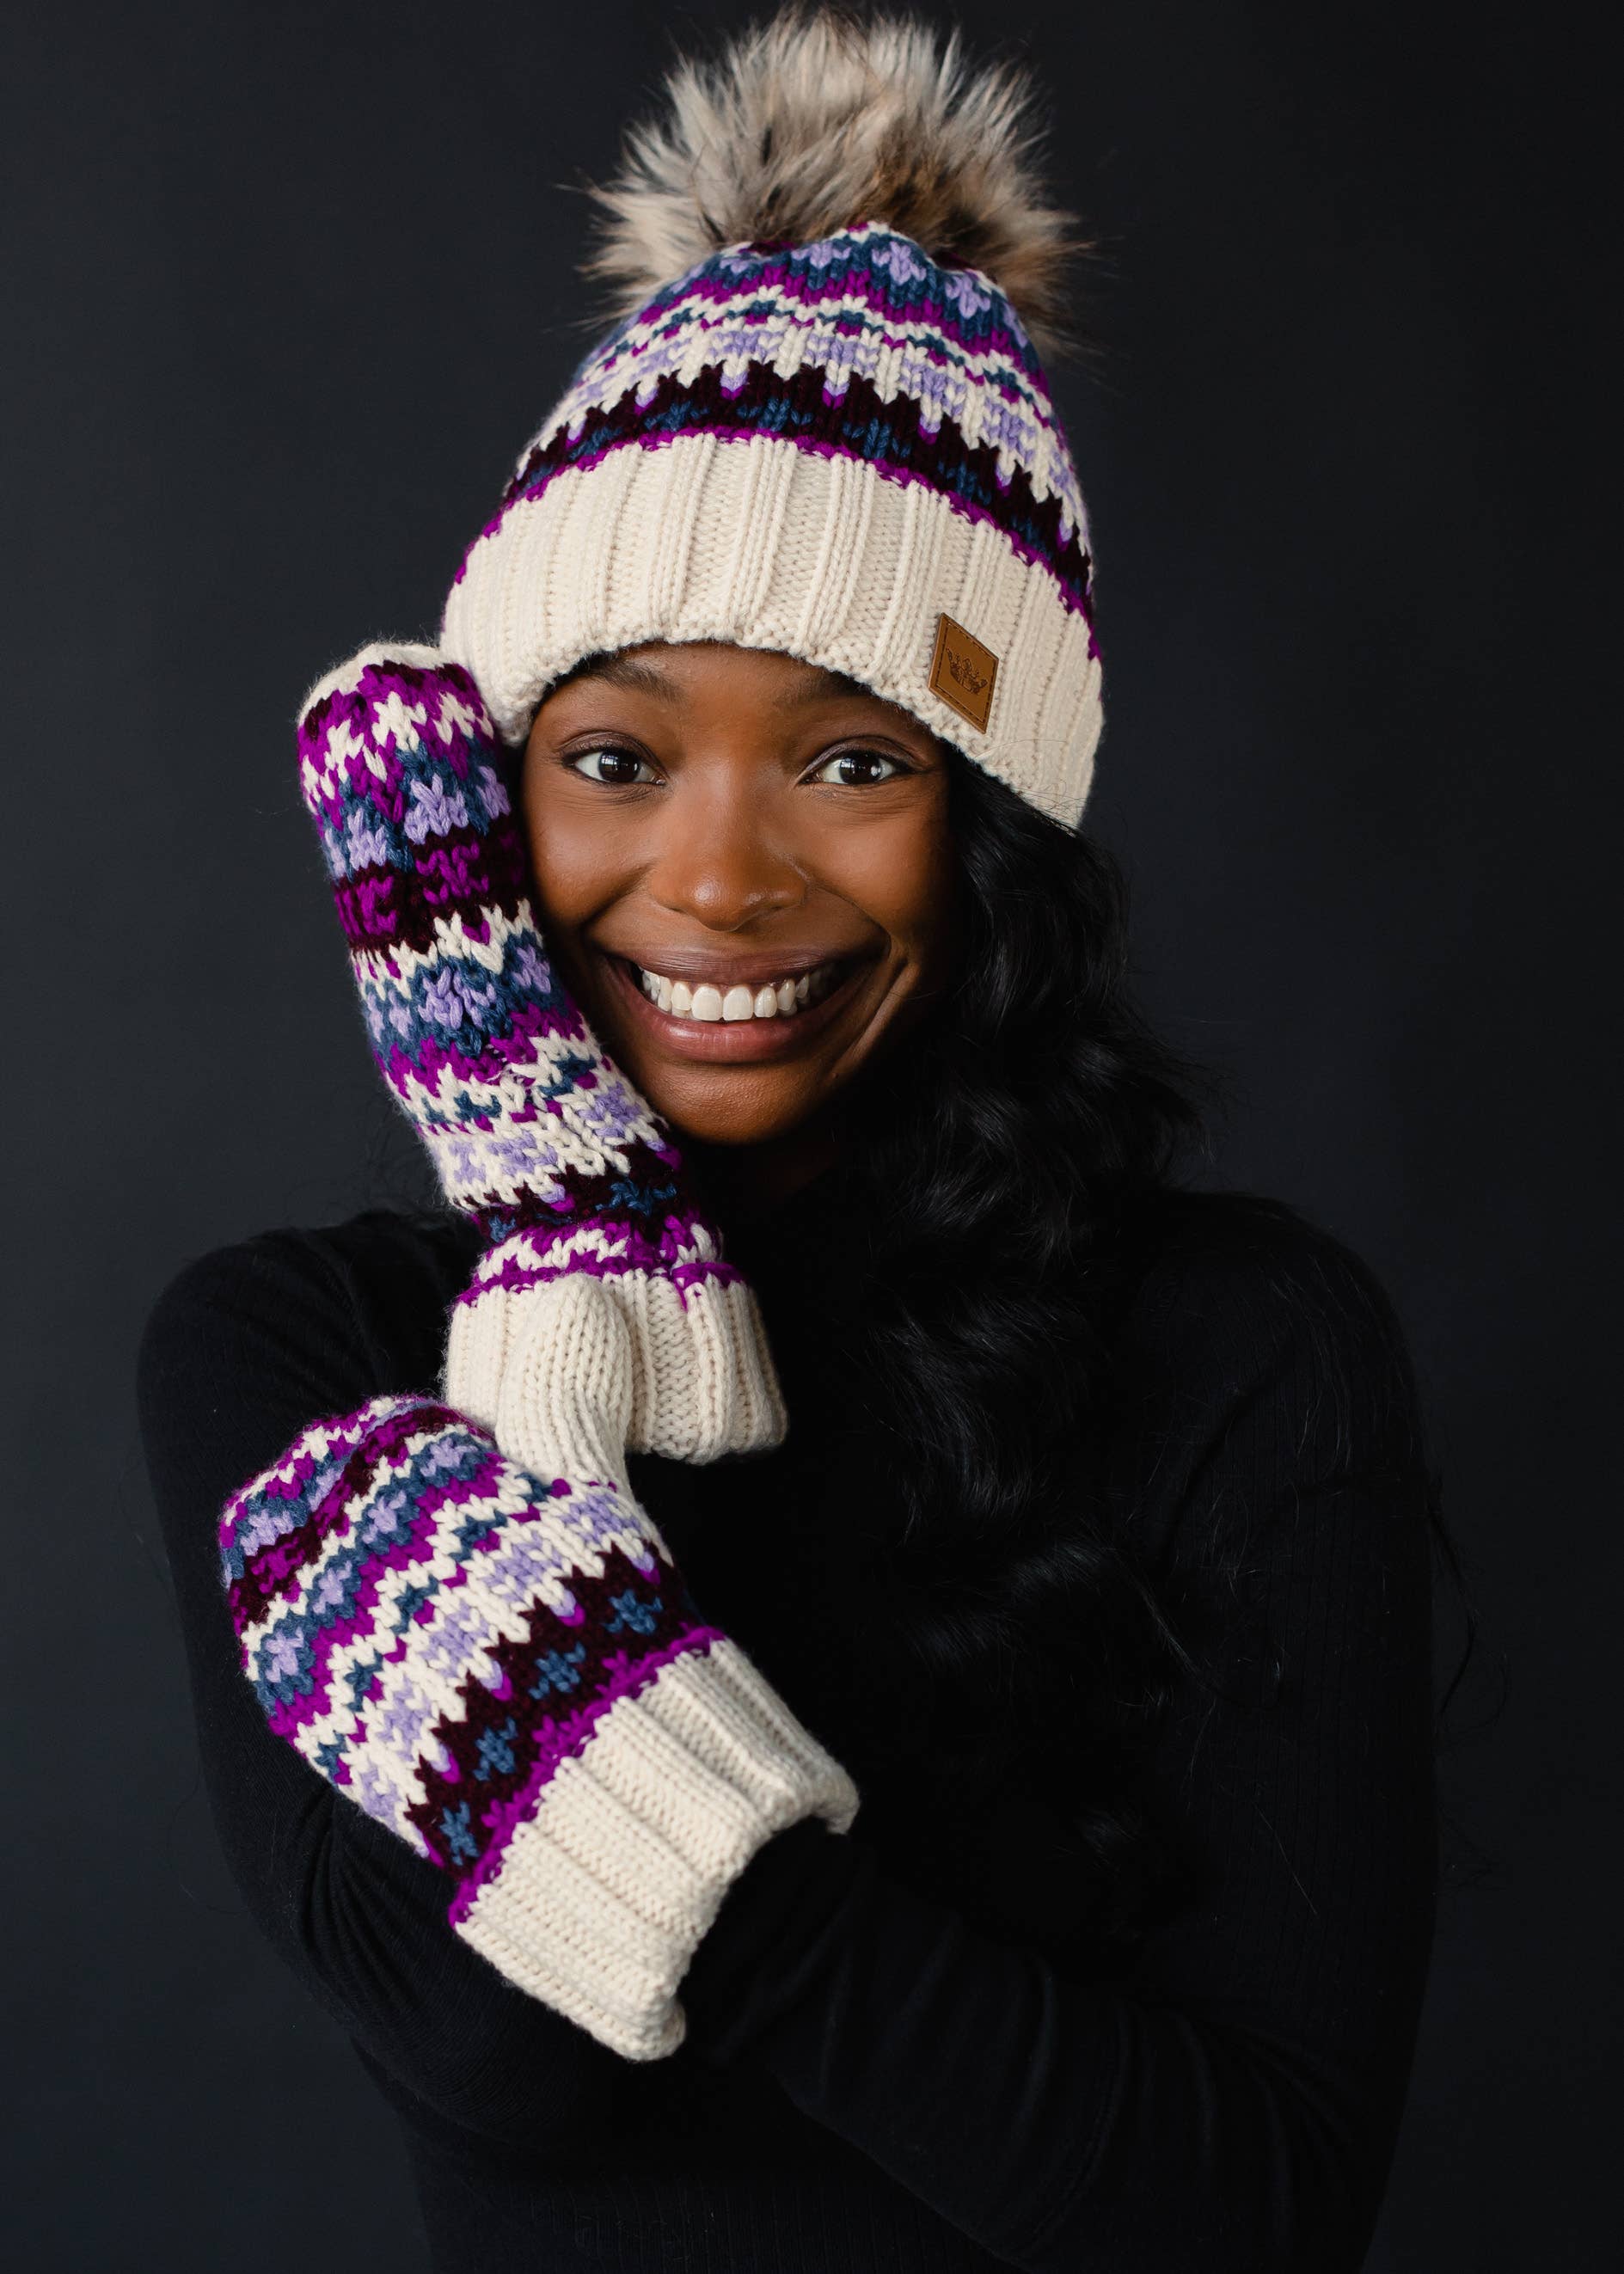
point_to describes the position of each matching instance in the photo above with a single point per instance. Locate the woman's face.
(745, 875)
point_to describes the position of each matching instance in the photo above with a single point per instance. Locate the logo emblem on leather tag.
(963, 672)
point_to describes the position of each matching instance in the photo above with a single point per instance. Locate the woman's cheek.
(581, 860)
(899, 873)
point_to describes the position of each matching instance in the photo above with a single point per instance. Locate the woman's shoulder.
(1235, 1304)
(1227, 1240)
(1240, 1256)
(379, 1281)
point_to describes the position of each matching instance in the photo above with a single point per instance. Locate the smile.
(713, 1017)
(781, 999)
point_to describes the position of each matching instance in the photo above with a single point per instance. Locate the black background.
(290, 287)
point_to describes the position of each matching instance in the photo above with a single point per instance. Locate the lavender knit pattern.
(507, 1671)
(823, 449)
(435, 1630)
(533, 1131)
(858, 346)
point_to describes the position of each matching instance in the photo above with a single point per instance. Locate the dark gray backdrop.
(292, 285)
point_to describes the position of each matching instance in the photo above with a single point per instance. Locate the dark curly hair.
(1006, 1150)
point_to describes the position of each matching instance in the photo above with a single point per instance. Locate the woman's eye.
(858, 769)
(618, 768)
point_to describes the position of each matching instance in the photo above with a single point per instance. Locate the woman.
(827, 1671)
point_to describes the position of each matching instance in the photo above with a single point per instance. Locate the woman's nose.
(718, 864)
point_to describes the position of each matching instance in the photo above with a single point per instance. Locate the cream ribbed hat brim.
(766, 544)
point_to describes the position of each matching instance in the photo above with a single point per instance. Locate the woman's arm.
(240, 1353)
(503, 1668)
(1234, 2106)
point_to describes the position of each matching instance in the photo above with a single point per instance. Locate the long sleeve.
(1234, 2104)
(243, 1351)
(507, 1671)
(1230, 2100)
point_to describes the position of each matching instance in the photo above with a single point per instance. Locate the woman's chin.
(747, 1105)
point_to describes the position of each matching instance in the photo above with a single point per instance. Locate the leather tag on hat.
(963, 672)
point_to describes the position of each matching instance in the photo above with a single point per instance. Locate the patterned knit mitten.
(507, 1672)
(533, 1131)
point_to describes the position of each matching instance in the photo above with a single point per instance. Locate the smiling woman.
(825, 1668)
(745, 864)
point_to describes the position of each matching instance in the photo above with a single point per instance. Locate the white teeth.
(778, 999)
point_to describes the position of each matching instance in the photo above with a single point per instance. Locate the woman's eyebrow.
(635, 673)
(813, 683)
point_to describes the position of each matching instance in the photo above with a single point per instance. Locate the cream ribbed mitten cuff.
(554, 1335)
(507, 1671)
(534, 1131)
(606, 1892)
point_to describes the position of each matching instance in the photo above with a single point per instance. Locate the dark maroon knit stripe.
(649, 1187)
(667, 1613)
(858, 423)
(384, 907)
(264, 1580)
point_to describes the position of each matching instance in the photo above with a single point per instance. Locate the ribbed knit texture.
(820, 449)
(509, 1673)
(458, 1612)
(910, 2050)
(533, 1131)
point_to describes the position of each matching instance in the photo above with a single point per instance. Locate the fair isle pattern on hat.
(507, 1672)
(533, 1131)
(819, 448)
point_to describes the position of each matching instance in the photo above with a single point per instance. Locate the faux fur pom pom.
(815, 121)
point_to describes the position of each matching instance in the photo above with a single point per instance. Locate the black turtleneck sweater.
(917, 2048)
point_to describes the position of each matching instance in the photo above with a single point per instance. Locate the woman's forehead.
(653, 669)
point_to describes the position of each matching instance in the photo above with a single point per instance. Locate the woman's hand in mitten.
(533, 1131)
(506, 1671)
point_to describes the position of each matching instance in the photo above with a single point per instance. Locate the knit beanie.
(821, 426)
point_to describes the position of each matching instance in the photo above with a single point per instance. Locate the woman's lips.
(732, 1040)
(734, 999)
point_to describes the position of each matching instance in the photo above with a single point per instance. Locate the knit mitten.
(532, 1130)
(507, 1672)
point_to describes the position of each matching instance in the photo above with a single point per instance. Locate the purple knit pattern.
(436, 1632)
(685, 1252)
(858, 345)
(567, 1738)
(530, 1125)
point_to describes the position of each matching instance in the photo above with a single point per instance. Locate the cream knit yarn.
(606, 1893)
(534, 1131)
(768, 544)
(503, 1666)
(691, 1378)
(823, 426)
